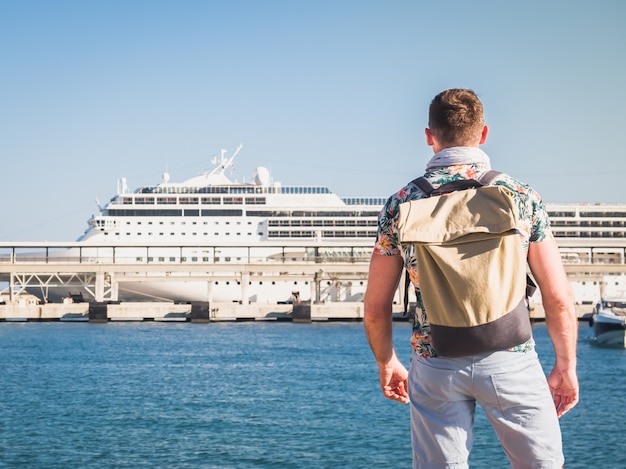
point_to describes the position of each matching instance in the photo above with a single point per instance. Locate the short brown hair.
(455, 117)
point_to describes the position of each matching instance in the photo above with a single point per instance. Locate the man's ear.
(483, 135)
(430, 141)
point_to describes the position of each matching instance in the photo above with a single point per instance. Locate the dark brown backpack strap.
(407, 285)
(424, 185)
(488, 177)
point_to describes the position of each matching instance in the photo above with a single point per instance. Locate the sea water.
(246, 395)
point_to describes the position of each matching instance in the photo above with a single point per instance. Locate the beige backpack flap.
(471, 263)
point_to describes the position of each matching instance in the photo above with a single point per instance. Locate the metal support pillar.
(114, 287)
(12, 288)
(314, 287)
(245, 281)
(209, 291)
(99, 287)
(317, 281)
(338, 285)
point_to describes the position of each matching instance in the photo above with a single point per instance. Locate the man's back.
(533, 223)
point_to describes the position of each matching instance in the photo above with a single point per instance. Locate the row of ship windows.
(325, 234)
(100, 223)
(147, 200)
(364, 200)
(279, 223)
(589, 234)
(323, 223)
(601, 214)
(189, 200)
(585, 223)
(237, 190)
(272, 223)
(271, 234)
(183, 223)
(235, 213)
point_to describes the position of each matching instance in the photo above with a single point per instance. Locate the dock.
(201, 312)
(100, 270)
(196, 312)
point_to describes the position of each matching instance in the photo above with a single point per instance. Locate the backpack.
(471, 265)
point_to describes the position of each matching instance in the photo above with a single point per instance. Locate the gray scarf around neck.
(459, 155)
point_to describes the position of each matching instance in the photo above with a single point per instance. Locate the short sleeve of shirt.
(387, 236)
(541, 223)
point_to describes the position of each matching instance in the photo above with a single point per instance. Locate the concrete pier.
(203, 312)
(196, 312)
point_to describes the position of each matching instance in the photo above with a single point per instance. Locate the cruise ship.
(211, 209)
(211, 219)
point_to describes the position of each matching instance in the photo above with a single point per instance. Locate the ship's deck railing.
(78, 253)
(269, 253)
(99, 270)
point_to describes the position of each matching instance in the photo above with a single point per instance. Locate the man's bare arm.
(558, 303)
(384, 275)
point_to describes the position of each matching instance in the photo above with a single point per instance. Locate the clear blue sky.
(324, 92)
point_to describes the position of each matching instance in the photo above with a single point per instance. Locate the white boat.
(609, 322)
(209, 219)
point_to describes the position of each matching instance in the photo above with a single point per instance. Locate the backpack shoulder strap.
(424, 185)
(488, 177)
(407, 285)
(427, 188)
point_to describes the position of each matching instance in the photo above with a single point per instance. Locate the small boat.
(609, 322)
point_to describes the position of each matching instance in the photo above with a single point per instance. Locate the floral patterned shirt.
(463, 163)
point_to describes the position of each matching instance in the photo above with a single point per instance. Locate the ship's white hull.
(175, 290)
(276, 292)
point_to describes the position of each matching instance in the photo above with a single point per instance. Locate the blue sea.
(246, 395)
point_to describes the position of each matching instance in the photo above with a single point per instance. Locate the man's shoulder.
(407, 193)
(445, 175)
(522, 189)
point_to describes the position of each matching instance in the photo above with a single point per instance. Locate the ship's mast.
(223, 162)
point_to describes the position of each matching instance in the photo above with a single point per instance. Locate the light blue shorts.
(512, 389)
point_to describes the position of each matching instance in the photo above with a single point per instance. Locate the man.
(522, 406)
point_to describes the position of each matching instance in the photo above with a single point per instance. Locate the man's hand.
(564, 388)
(394, 381)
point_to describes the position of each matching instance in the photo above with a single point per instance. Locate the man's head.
(456, 119)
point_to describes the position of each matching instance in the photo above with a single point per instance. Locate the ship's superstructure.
(604, 221)
(211, 209)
